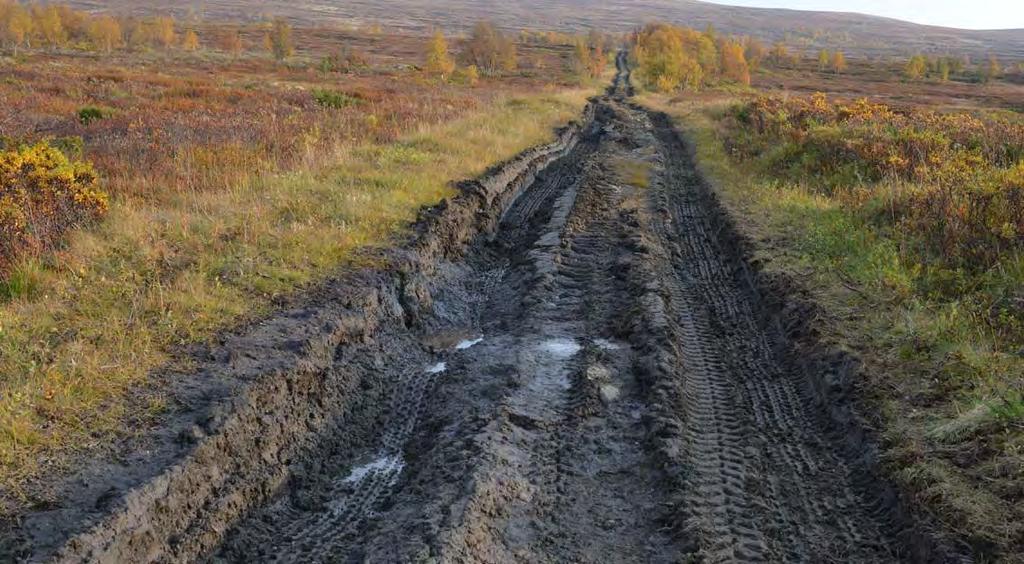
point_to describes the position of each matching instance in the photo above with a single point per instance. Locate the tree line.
(942, 68)
(57, 26)
(669, 57)
(489, 49)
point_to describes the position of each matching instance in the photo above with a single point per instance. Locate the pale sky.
(968, 14)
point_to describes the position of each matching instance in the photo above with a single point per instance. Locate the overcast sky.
(969, 14)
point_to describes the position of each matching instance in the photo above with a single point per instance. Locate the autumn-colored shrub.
(42, 195)
(344, 60)
(588, 59)
(953, 180)
(976, 223)
(278, 39)
(469, 76)
(490, 49)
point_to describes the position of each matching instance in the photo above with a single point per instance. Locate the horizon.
(993, 15)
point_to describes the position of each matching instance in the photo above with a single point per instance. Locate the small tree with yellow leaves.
(916, 67)
(279, 39)
(190, 41)
(438, 61)
(734, 63)
(163, 31)
(105, 33)
(823, 60)
(839, 62)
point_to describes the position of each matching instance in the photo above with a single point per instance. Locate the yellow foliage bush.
(42, 195)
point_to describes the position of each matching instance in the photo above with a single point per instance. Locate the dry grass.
(230, 186)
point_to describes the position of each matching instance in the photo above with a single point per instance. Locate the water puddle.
(437, 368)
(606, 345)
(384, 465)
(560, 348)
(465, 344)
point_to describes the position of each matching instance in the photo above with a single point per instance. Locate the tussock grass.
(946, 386)
(83, 330)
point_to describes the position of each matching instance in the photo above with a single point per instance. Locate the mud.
(563, 365)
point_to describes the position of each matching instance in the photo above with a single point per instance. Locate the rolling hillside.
(856, 33)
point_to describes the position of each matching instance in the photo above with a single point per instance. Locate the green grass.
(334, 99)
(947, 389)
(81, 333)
(89, 114)
(21, 283)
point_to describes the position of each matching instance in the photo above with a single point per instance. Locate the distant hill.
(856, 33)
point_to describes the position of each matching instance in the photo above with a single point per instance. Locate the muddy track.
(619, 398)
(572, 362)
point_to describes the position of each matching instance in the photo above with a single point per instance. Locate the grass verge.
(85, 328)
(941, 387)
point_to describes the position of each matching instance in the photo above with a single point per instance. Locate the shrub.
(42, 195)
(490, 49)
(90, 114)
(278, 39)
(334, 99)
(952, 182)
(73, 147)
(344, 61)
(469, 76)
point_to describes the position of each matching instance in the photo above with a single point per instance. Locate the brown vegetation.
(490, 49)
(949, 81)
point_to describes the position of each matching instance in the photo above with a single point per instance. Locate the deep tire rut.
(619, 397)
(594, 376)
(622, 398)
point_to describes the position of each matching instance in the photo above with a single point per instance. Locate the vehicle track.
(598, 379)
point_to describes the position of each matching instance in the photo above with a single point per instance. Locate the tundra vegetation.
(160, 183)
(906, 220)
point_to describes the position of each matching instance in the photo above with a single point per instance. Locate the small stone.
(609, 393)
